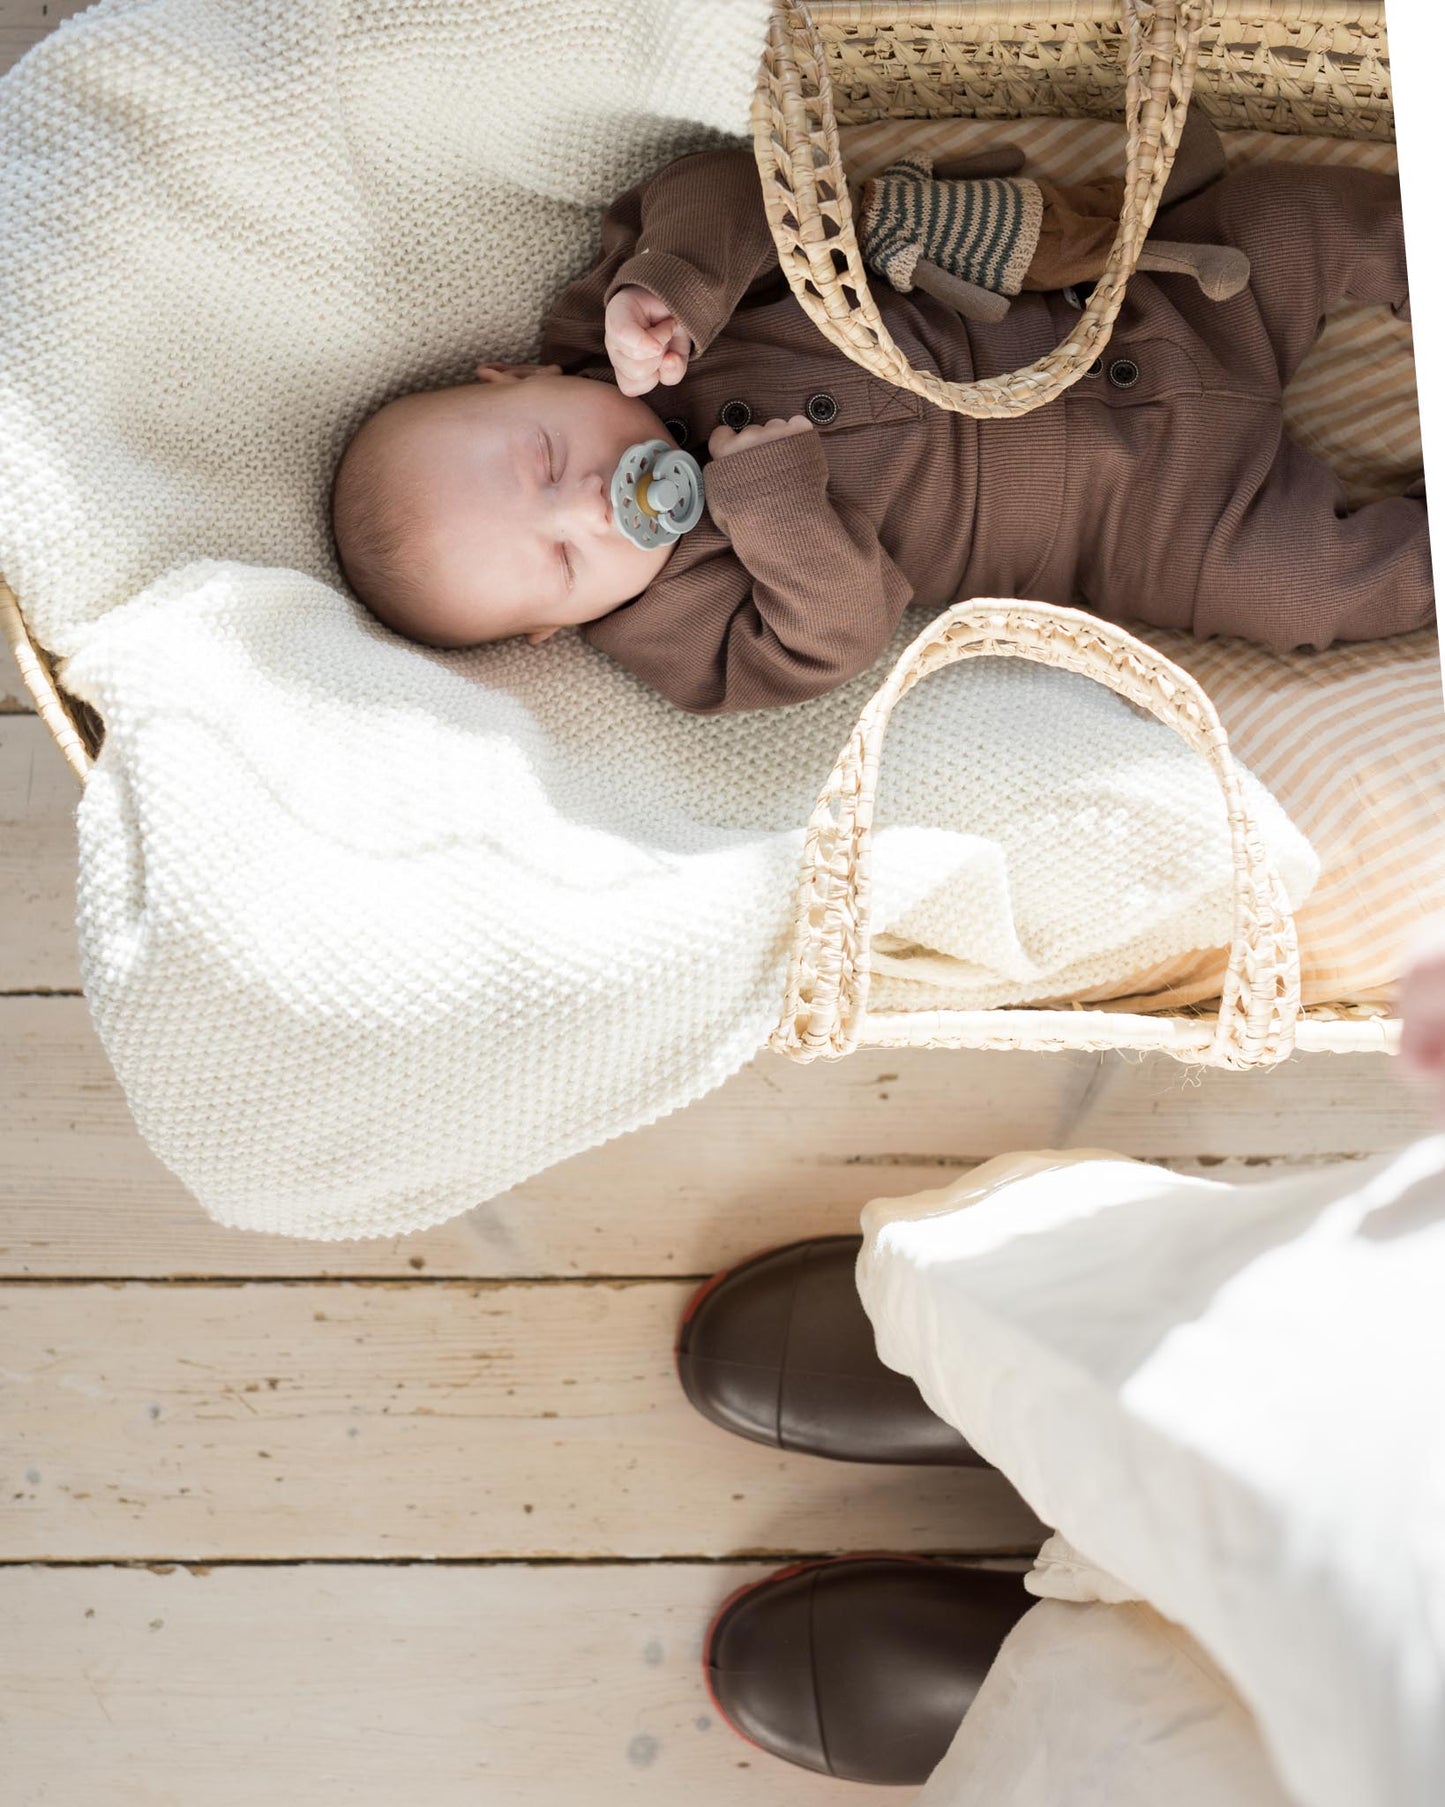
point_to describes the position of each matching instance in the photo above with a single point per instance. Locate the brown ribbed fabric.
(1174, 499)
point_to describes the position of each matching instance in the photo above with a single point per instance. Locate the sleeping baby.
(753, 538)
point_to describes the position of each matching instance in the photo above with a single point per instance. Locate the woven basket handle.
(829, 969)
(795, 137)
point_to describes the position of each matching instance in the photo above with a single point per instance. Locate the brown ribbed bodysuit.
(1160, 489)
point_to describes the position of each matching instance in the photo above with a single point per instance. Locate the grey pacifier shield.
(656, 493)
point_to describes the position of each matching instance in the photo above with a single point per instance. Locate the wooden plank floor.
(300, 1522)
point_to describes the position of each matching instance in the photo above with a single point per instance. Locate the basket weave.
(1313, 66)
(1284, 65)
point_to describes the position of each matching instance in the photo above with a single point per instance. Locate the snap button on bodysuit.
(735, 415)
(678, 429)
(1123, 373)
(1096, 368)
(821, 409)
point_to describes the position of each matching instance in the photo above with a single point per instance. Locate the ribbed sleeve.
(695, 234)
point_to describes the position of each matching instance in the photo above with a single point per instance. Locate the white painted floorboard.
(433, 1419)
(378, 1686)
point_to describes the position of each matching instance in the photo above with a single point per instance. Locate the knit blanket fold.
(371, 933)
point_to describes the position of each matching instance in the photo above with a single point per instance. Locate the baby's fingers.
(634, 375)
(639, 323)
(642, 342)
(676, 354)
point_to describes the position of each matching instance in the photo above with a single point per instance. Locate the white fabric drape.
(1231, 1401)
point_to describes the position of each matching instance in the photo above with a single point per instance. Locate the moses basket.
(1305, 66)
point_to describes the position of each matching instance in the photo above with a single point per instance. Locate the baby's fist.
(646, 344)
(723, 440)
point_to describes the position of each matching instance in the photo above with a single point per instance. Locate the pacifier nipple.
(656, 493)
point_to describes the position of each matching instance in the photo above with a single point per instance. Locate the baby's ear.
(515, 373)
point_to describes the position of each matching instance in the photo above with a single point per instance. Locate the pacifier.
(656, 493)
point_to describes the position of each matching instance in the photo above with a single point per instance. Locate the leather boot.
(780, 1350)
(863, 1667)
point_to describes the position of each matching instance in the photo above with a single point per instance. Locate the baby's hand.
(723, 440)
(1422, 1010)
(646, 344)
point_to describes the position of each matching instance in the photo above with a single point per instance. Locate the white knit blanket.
(371, 933)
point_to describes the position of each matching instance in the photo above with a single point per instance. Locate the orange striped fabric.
(1350, 741)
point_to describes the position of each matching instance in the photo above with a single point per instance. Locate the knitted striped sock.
(984, 230)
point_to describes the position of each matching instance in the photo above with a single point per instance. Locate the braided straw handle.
(829, 968)
(795, 137)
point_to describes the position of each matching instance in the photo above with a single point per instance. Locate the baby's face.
(517, 471)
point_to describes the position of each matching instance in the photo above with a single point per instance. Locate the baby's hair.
(376, 524)
(382, 544)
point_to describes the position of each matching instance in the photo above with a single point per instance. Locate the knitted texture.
(984, 229)
(372, 933)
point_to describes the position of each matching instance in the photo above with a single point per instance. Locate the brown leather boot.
(860, 1668)
(780, 1350)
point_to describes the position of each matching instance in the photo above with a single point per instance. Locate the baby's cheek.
(658, 560)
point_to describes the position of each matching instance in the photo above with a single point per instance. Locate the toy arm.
(1001, 160)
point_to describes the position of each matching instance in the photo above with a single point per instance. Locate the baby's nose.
(591, 511)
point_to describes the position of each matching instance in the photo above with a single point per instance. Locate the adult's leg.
(1103, 1703)
(1224, 1395)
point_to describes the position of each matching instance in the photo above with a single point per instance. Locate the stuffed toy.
(972, 232)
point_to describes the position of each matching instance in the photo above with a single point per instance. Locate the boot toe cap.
(760, 1669)
(780, 1350)
(860, 1668)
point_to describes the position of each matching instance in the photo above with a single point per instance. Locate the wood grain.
(24, 23)
(38, 795)
(14, 697)
(778, 1153)
(412, 1419)
(376, 1685)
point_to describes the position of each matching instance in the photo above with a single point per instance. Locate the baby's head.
(479, 512)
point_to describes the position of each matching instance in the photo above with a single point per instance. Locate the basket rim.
(1185, 1035)
(930, 13)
